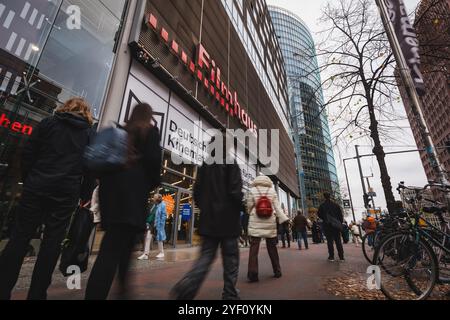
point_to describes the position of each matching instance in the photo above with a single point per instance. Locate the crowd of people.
(56, 183)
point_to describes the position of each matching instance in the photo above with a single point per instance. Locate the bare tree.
(358, 66)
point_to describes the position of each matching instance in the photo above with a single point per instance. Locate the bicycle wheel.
(368, 250)
(408, 268)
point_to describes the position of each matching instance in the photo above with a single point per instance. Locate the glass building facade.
(311, 133)
(47, 57)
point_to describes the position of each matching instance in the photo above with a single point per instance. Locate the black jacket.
(329, 208)
(52, 157)
(218, 194)
(124, 195)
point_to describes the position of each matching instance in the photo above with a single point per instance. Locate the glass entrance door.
(184, 218)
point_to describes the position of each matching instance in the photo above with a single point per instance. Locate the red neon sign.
(224, 96)
(15, 126)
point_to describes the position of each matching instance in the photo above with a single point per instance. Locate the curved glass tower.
(311, 133)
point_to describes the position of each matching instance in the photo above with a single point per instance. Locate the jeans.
(188, 287)
(35, 209)
(271, 244)
(333, 236)
(284, 237)
(302, 235)
(114, 255)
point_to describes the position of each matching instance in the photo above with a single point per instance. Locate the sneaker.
(331, 259)
(277, 275)
(252, 280)
(341, 260)
(160, 255)
(143, 257)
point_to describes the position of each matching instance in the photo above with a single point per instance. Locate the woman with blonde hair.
(52, 174)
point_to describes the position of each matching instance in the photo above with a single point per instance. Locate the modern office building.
(433, 31)
(311, 133)
(200, 64)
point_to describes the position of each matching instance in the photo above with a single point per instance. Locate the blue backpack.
(108, 152)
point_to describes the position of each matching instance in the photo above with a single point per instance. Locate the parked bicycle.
(412, 261)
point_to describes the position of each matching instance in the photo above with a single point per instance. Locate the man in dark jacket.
(218, 194)
(300, 226)
(332, 217)
(52, 174)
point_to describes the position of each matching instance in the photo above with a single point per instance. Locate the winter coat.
(300, 223)
(52, 157)
(124, 194)
(263, 227)
(330, 210)
(218, 194)
(160, 221)
(151, 216)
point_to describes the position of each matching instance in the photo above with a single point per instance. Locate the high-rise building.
(433, 31)
(200, 64)
(311, 133)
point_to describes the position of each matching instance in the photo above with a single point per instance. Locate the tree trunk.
(380, 155)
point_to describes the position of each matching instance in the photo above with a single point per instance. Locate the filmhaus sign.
(207, 73)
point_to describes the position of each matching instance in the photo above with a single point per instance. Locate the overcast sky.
(405, 167)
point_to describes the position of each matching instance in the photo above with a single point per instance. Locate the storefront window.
(43, 62)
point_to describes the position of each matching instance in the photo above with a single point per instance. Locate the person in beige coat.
(266, 228)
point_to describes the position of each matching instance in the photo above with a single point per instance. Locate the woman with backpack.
(123, 202)
(264, 210)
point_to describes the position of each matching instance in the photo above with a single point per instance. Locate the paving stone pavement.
(305, 276)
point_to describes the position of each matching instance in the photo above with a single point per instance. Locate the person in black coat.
(52, 173)
(123, 199)
(218, 194)
(332, 217)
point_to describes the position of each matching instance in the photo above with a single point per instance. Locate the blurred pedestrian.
(160, 224)
(218, 194)
(332, 217)
(301, 227)
(263, 195)
(316, 232)
(244, 226)
(52, 172)
(123, 203)
(345, 232)
(355, 233)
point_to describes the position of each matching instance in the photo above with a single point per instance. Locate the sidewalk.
(306, 275)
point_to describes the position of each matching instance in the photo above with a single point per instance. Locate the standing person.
(263, 227)
(345, 232)
(52, 172)
(355, 233)
(315, 230)
(301, 225)
(218, 194)
(284, 230)
(149, 235)
(123, 203)
(332, 217)
(160, 224)
(244, 226)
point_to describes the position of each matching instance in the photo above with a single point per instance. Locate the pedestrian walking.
(301, 226)
(160, 224)
(123, 203)
(263, 224)
(332, 217)
(52, 172)
(218, 194)
(149, 234)
(355, 233)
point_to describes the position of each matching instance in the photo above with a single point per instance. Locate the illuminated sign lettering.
(15, 126)
(206, 72)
